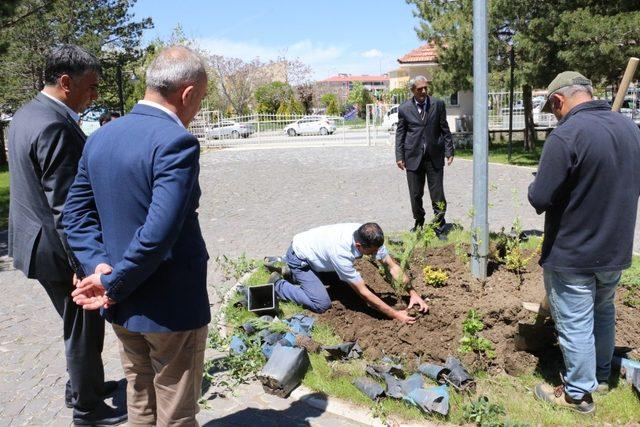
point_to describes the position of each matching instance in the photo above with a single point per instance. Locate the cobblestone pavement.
(253, 201)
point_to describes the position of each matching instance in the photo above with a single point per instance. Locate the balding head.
(175, 68)
(177, 80)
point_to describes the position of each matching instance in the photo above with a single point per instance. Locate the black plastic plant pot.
(284, 370)
(262, 298)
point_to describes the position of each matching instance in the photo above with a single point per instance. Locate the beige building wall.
(399, 78)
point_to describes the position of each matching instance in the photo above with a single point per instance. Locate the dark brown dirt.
(436, 335)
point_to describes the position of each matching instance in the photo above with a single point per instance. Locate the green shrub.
(434, 277)
(471, 341)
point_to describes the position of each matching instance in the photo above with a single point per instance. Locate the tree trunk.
(529, 128)
(3, 152)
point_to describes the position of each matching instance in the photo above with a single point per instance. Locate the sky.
(331, 36)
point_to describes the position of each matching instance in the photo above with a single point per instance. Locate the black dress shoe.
(418, 224)
(109, 388)
(102, 415)
(440, 234)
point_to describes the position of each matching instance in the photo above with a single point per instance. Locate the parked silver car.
(230, 129)
(322, 125)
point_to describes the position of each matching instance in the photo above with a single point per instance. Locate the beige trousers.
(164, 375)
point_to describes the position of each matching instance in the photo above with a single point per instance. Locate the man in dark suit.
(45, 144)
(423, 140)
(133, 206)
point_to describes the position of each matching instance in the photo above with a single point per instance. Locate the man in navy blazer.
(133, 206)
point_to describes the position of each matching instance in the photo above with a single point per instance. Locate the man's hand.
(400, 164)
(404, 317)
(449, 160)
(103, 268)
(75, 280)
(90, 293)
(414, 299)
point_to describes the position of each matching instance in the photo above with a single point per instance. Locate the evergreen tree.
(103, 27)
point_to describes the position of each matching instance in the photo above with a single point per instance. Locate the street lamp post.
(512, 64)
(480, 226)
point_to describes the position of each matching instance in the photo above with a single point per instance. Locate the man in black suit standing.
(45, 145)
(423, 140)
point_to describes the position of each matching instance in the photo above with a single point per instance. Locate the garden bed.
(505, 377)
(437, 335)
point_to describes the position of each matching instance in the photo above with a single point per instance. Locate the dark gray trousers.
(435, 180)
(83, 332)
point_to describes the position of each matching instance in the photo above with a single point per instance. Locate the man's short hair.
(415, 80)
(71, 60)
(369, 235)
(173, 68)
(107, 117)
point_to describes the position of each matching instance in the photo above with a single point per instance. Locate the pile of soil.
(436, 335)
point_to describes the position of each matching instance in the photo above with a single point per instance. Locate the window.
(453, 100)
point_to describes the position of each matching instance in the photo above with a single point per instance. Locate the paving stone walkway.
(253, 202)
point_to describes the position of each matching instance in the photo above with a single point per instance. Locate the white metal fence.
(214, 130)
(382, 118)
(498, 112)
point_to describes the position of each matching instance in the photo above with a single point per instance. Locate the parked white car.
(90, 121)
(322, 125)
(230, 129)
(390, 120)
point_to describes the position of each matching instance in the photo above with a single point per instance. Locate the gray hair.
(569, 91)
(416, 79)
(173, 68)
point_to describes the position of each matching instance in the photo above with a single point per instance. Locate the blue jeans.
(309, 291)
(582, 306)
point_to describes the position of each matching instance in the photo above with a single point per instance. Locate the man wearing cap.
(587, 185)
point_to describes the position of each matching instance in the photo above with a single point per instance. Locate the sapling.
(471, 341)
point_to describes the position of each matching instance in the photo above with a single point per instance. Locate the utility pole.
(480, 227)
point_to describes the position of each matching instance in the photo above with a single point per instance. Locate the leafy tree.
(305, 96)
(104, 27)
(7, 11)
(290, 106)
(237, 80)
(212, 100)
(549, 36)
(360, 96)
(270, 96)
(330, 101)
(397, 95)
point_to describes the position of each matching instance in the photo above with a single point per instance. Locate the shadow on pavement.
(295, 415)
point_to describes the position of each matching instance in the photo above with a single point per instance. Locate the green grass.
(498, 153)
(4, 197)
(514, 394)
(259, 277)
(631, 276)
(630, 284)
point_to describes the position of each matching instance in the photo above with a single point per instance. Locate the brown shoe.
(557, 396)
